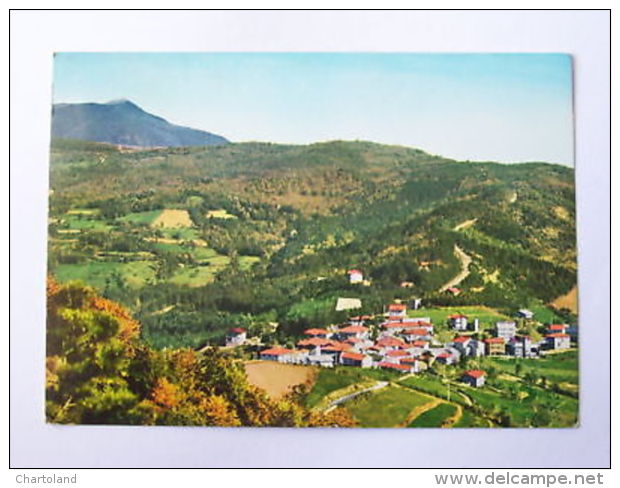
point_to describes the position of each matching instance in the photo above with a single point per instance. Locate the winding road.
(465, 260)
(333, 404)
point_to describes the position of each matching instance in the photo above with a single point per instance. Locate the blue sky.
(501, 107)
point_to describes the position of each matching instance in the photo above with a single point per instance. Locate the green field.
(145, 218)
(435, 417)
(80, 221)
(388, 407)
(538, 408)
(199, 275)
(563, 367)
(96, 273)
(439, 315)
(331, 379)
(180, 233)
(470, 420)
(544, 314)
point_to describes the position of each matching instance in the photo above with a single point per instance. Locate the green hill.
(275, 228)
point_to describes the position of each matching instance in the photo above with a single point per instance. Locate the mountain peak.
(123, 122)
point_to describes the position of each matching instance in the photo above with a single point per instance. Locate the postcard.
(312, 240)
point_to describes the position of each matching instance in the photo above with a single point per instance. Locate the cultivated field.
(277, 379)
(172, 218)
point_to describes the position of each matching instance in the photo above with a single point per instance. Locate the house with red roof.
(446, 357)
(277, 353)
(396, 355)
(557, 328)
(413, 363)
(397, 310)
(453, 290)
(314, 343)
(403, 368)
(359, 319)
(236, 337)
(388, 343)
(474, 377)
(322, 333)
(355, 359)
(417, 334)
(461, 343)
(458, 321)
(557, 340)
(358, 331)
(355, 276)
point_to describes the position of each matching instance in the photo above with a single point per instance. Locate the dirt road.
(464, 273)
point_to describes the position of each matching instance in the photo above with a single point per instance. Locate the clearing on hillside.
(172, 218)
(220, 214)
(277, 379)
(568, 301)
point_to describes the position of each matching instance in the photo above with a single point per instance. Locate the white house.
(236, 337)
(557, 341)
(397, 310)
(505, 329)
(458, 321)
(475, 348)
(525, 313)
(358, 331)
(353, 359)
(474, 377)
(355, 276)
(280, 354)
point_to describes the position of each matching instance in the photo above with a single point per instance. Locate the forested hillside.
(196, 240)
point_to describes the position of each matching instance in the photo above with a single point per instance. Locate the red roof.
(314, 341)
(495, 340)
(354, 329)
(392, 325)
(238, 330)
(475, 373)
(352, 355)
(354, 271)
(397, 354)
(557, 334)
(337, 346)
(389, 342)
(420, 343)
(457, 316)
(454, 290)
(276, 351)
(360, 317)
(444, 355)
(408, 361)
(397, 307)
(417, 331)
(462, 339)
(401, 367)
(314, 332)
(561, 327)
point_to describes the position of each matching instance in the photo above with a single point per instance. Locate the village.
(393, 340)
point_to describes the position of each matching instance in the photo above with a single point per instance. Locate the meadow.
(388, 407)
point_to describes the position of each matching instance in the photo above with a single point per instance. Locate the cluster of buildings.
(408, 344)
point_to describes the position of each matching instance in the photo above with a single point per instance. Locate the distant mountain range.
(123, 122)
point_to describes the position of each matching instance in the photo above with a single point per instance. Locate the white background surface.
(36, 35)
